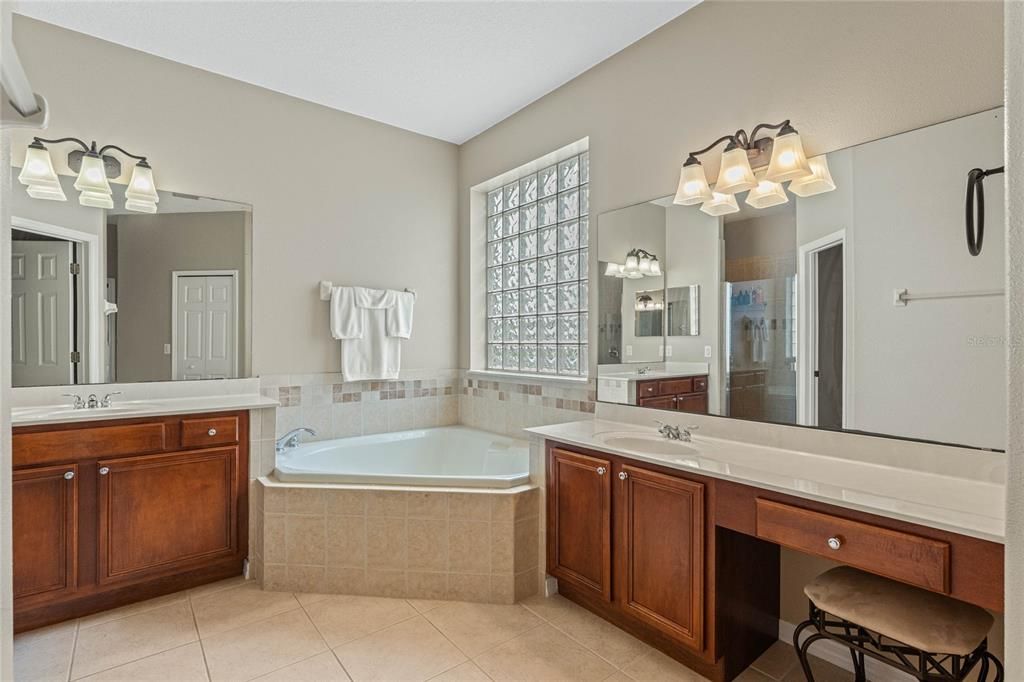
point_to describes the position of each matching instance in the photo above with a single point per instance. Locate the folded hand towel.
(346, 317)
(399, 316)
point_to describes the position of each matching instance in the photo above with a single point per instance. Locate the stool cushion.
(925, 620)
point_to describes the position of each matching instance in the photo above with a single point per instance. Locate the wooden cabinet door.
(660, 550)
(695, 402)
(45, 513)
(667, 402)
(579, 521)
(164, 513)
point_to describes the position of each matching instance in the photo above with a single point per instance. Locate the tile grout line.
(74, 646)
(324, 639)
(199, 635)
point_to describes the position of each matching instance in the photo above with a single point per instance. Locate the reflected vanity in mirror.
(858, 308)
(111, 295)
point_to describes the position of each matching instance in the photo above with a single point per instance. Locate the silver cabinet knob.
(601, 471)
(104, 471)
(211, 432)
(68, 475)
(623, 475)
(834, 543)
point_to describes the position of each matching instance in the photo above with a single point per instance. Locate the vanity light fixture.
(639, 263)
(646, 302)
(94, 169)
(818, 182)
(783, 155)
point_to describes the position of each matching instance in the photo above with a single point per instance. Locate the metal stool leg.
(997, 664)
(801, 650)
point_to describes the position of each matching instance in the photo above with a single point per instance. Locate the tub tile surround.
(408, 543)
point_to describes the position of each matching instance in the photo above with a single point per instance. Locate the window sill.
(527, 378)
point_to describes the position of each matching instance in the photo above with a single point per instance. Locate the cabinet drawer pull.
(623, 475)
(601, 471)
(69, 475)
(834, 543)
(104, 471)
(211, 432)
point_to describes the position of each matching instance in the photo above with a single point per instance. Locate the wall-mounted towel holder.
(901, 297)
(326, 285)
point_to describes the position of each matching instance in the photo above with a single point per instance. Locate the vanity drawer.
(700, 384)
(647, 389)
(909, 558)
(64, 444)
(673, 386)
(209, 431)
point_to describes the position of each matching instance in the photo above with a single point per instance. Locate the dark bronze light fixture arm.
(742, 140)
(783, 128)
(693, 155)
(141, 159)
(38, 141)
(641, 252)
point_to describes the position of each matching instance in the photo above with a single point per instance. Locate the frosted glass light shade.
(93, 176)
(788, 160)
(818, 182)
(655, 268)
(613, 270)
(141, 187)
(632, 265)
(735, 174)
(95, 199)
(767, 193)
(37, 170)
(140, 206)
(720, 204)
(645, 265)
(693, 186)
(50, 193)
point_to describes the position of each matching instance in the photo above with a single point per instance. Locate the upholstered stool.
(928, 635)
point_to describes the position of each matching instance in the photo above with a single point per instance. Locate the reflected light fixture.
(767, 193)
(781, 158)
(647, 302)
(720, 204)
(639, 263)
(818, 182)
(94, 170)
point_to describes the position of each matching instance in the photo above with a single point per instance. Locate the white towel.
(398, 318)
(360, 318)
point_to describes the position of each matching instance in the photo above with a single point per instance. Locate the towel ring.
(975, 222)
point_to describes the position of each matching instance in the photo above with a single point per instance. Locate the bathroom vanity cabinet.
(111, 512)
(685, 394)
(690, 563)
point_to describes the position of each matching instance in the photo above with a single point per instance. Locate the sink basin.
(57, 411)
(643, 443)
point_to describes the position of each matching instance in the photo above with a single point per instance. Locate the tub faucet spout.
(291, 439)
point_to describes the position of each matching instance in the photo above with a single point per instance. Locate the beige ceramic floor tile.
(321, 668)
(307, 598)
(238, 606)
(823, 672)
(260, 648)
(184, 664)
(777, 661)
(467, 672)
(128, 639)
(752, 675)
(210, 588)
(475, 628)
(410, 650)
(342, 618)
(616, 646)
(657, 667)
(551, 608)
(619, 676)
(44, 654)
(424, 605)
(543, 653)
(131, 609)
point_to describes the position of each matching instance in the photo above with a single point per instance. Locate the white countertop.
(129, 409)
(653, 374)
(969, 500)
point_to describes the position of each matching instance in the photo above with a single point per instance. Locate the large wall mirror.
(857, 309)
(104, 296)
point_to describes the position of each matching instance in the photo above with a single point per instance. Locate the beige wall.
(844, 72)
(333, 194)
(149, 249)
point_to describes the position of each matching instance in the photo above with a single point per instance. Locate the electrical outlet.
(668, 351)
(629, 351)
(707, 351)
(167, 349)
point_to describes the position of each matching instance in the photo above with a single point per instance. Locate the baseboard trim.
(838, 655)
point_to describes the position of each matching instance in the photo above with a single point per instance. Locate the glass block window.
(537, 272)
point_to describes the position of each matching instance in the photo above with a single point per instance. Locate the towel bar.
(326, 285)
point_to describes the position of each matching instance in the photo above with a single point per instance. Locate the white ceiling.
(449, 70)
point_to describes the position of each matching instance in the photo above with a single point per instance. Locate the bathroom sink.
(58, 411)
(644, 443)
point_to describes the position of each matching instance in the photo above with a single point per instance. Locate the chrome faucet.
(93, 402)
(79, 402)
(106, 399)
(291, 439)
(643, 371)
(675, 432)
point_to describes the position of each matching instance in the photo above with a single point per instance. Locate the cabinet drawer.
(45, 447)
(673, 386)
(700, 384)
(647, 389)
(209, 431)
(893, 554)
